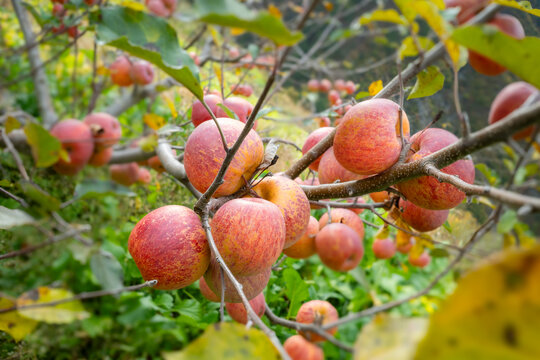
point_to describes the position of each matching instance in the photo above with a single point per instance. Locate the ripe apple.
(325, 85)
(379, 196)
(384, 248)
(305, 246)
(468, 8)
(58, 10)
(340, 85)
(291, 201)
(239, 313)
(144, 176)
(313, 85)
(101, 157)
(244, 90)
(313, 139)
(125, 174)
(249, 234)
(331, 171)
(241, 107)
(310, 182)
(199, 114)
(234, 53)
(333, 97)
(508, 25)
(323, 121)
(162, 8)
(427, 191)
(422, 219)
(368, 139)
(509, 99)
(343, 216)
(421, 261)
(299, 348)
(350, 87)
(120, 71)
(251, 285)
(76, 139)
(207, 292)
(317, 312)
(142, 72)
(204, 155)
(339, 247)
(169, 245)
(73, 32)
(106, 129)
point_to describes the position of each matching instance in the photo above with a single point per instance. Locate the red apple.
(344, 216)
(468, 8)
(339, 247)
(239, 313)
(142, 72)
(331, 171)
(207, 292)
(313, 85)
(105, 128)
(313, 139)
(58, 10)
(101, 157)
(333, 97)
(340, 85)
(317, 312)
(350, 87)
(169, 245)
(199, 114)
(120, 71)
(125, 174)
(299, 348)
(162, 8)
(305, 246)
(358, 200)
(422, 219)
(241, 107)
(234, 53)
(379, 196)
(73, 32)
(325, 85)
(323, 121)
(384, 248)
(193, 55)
(76, 139)
(421, 261)
(144, 176)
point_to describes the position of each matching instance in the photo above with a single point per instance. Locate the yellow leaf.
(494, 313)
(148, 143)
(426, 240)
(237, 31)
(383, 233)
(170, 104)
(217, 70)
(215, 35)
(102, 70)
(417, 249)
(58, 314)
(133, 5)
(274, 11)
(296, 8)
(375, 87)
(402, 238)
(154, 121)
(406, 9)
(409, 47)
(12, 124)
(14, 324)
(328, 6)
(521, 5)
(389, 15)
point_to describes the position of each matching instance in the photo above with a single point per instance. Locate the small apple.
(299, 348)
(331, 171)
(325, 85)
(317, 312)
(76, 139)
(384, 248)
(313, 85)
(340, 85)
(142, 72)
(422, 219)
(199, 114)
(339, 247)
(350, 87)
(305, 246)
(421, 261)
(313, 139)
(343, 216)
(106, 129)
(144, 176)
(241, 107)
(120, 71)
(125, 174)
(239, 313)
(101, 157)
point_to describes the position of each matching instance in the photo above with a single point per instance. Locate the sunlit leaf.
(428, 82)
(170, 104)
(154, 121)
(388, 15)
(11, 124)
(520, 5)
(13, 217)
(45, 147)
(375, 87)
(274, 11)
(14, 324)
(408, 46)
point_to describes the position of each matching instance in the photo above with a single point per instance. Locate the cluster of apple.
(124, 72)
(508, 24)
(162, 8)
(59, 12)
(325, 85)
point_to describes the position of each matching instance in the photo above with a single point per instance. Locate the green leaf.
(439, 253)
(507, 222)
(231, 114)
(92, 188)
(164, 300)
(227, 341)
(234, 14)
(44, 200)
(519, 56)
(489, 174)
(295, 289)
(428, 82)
(150, 38)
(362, 94)
(107, 270)
(13, 217)
(447, 226)
(46, 148)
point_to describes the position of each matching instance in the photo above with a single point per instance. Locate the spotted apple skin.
(169, 245)
(305, 246)
(320, 311)
(339, 247)
(299, 348)
(330, 170)
(204, 155)
(368, 139)
(422, 219)
(313, 139)
(343, 216)
(239, 313)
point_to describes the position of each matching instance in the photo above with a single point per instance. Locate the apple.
(421, 261)
(404, 249)
(323, 121)
(244, 90)
(207, 292)
(299, 348)
(155, 163)
(234, 53)
(331, 171)
(142, 72)
(325, 85)
(403, 242)
(468, 8)
(509, 99)
(198, 112)
(368, 139)
(333, 97)
(101, 157)
(144, 176)
(58, 10)
(313, 139)
(73, 32)
(238, 311)
(169, 245)
(305, 246)
(350, 87)
(106, 129)
(358, 200)
(251, 285)
(343, 216)
(204, 155)
(125, 174)
(427, 191)
(193, 55)
(291, 201)
(162, 8)
(249, 234)
(120, 71)
(422, 219)
(313, 85)
(379, 196)
(508, 25)
(76, 139)
(384, 248)
(241, 107)
(339, 247)
(317, 312)
(340, 85)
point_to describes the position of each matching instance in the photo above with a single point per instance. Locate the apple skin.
(384, 248)
(199, 114)
(120, 71)
(241, 107)
(76, 139)
(313, 85)
(339, 247)
(101, 157)
(368, 140)
(359, 200)
(243, 90)
(207, 292)
(344, 216)
(427, 191)
(379, 196)
(330, 170)
(421, 261)
(142, 73)
(313, 139)
(162, 8)
(310, 182)
(249, 234)
(509, 99)
(299, 348)
(325, 85)
(239, 313)
(317, 311)
(251, 285)
(333, 97)
(58, 10)
(508, 25)
(125, 174)
(422, 219)
(291, 201)
(144, 176)
(106, 129)
(468, 8)
(169, 245)
(204, 155)
(323, 121)
(305, 246)
(350, 87)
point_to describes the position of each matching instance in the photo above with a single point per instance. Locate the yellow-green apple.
(101, 157)
(330, 170)
(142, 72)
(77, 141)
(206, 291)
(106, 130)
(305, 246)
(419, 261)
(199, 114)
(343, 216)
(427, 191)
(299, 348)
(422, 219)
(339, 247)
(313, 139)
(241, 107)
(368, 139)
(169, 245)
(249, 234)
(120, 71)
(509, 99)
(318, 312)
(291, 201)
(384, 248)
(204, 155)
(239, 313)
(125, 174)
